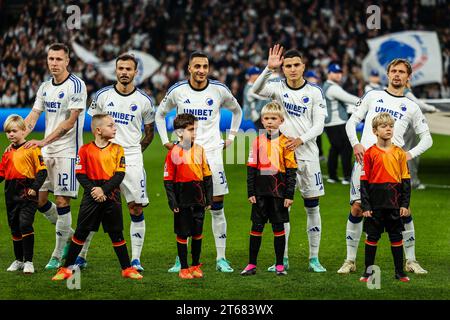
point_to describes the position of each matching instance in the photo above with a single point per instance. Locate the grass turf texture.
(102, 280)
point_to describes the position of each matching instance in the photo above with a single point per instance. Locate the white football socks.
(219, 228)
(353, 236)
(287, 229)
(409, 241)
(51, 214)
(314, 230)
(63, 233)
(87, 243)
(137, 232)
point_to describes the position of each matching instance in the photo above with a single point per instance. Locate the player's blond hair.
(382, 118)
(273, 107)
(97, 120)
(12, 120)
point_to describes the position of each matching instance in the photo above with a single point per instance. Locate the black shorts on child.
(189, 221)
(384, 219)
(270, 209)
(108, 213)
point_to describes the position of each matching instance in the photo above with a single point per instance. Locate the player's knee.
(278, 228)
(257, 227)
(81, 235)
(311, 202)
(116, 237)
(217, 205)
(62, 201)
(218, 198)
(137, 217)
(16, 235)
(137, 210)
(356, 210)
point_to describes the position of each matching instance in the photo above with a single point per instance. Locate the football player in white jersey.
(63, 99)
(130, 108)
(305, 107)
(203, 98)
(406, 112)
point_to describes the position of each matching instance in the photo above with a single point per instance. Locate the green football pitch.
(102, 280)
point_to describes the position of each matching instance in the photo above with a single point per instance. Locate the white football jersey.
(403, 110)
(57, 101)
(205, 104)
(302, 106)
(130, 112)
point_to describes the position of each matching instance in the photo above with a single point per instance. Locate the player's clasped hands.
(97, 194)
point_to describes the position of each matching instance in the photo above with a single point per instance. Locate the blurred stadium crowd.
(235, 34)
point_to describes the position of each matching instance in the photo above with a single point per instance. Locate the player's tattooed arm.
(59, 132)
(31, 120)
(149, 133)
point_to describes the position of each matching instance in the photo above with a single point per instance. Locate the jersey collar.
(207, 84)
(56, 85)
(393, 94)
(301, 87)
(122, 94)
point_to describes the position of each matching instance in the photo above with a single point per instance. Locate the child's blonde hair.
(97, 120)
(382, 118)
(273, 107)
(14, 119)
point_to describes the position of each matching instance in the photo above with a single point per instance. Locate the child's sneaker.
(250, 270)
(185, 274)
(402, 277)
(28, 267)
(62, 274)
(365, 277)
(131, 273)
(285, 263)
(196, 271)
(15, 266)
(280, 270)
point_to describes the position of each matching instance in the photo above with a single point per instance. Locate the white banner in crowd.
(420, 48)
(147, 64)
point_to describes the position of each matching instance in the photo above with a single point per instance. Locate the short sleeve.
(148, 113)
(367, 166)
(120, 160)
(38, 160)
(78, 97)
(80, 167)
(39, 101)
(253, 154)
(404, 166)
